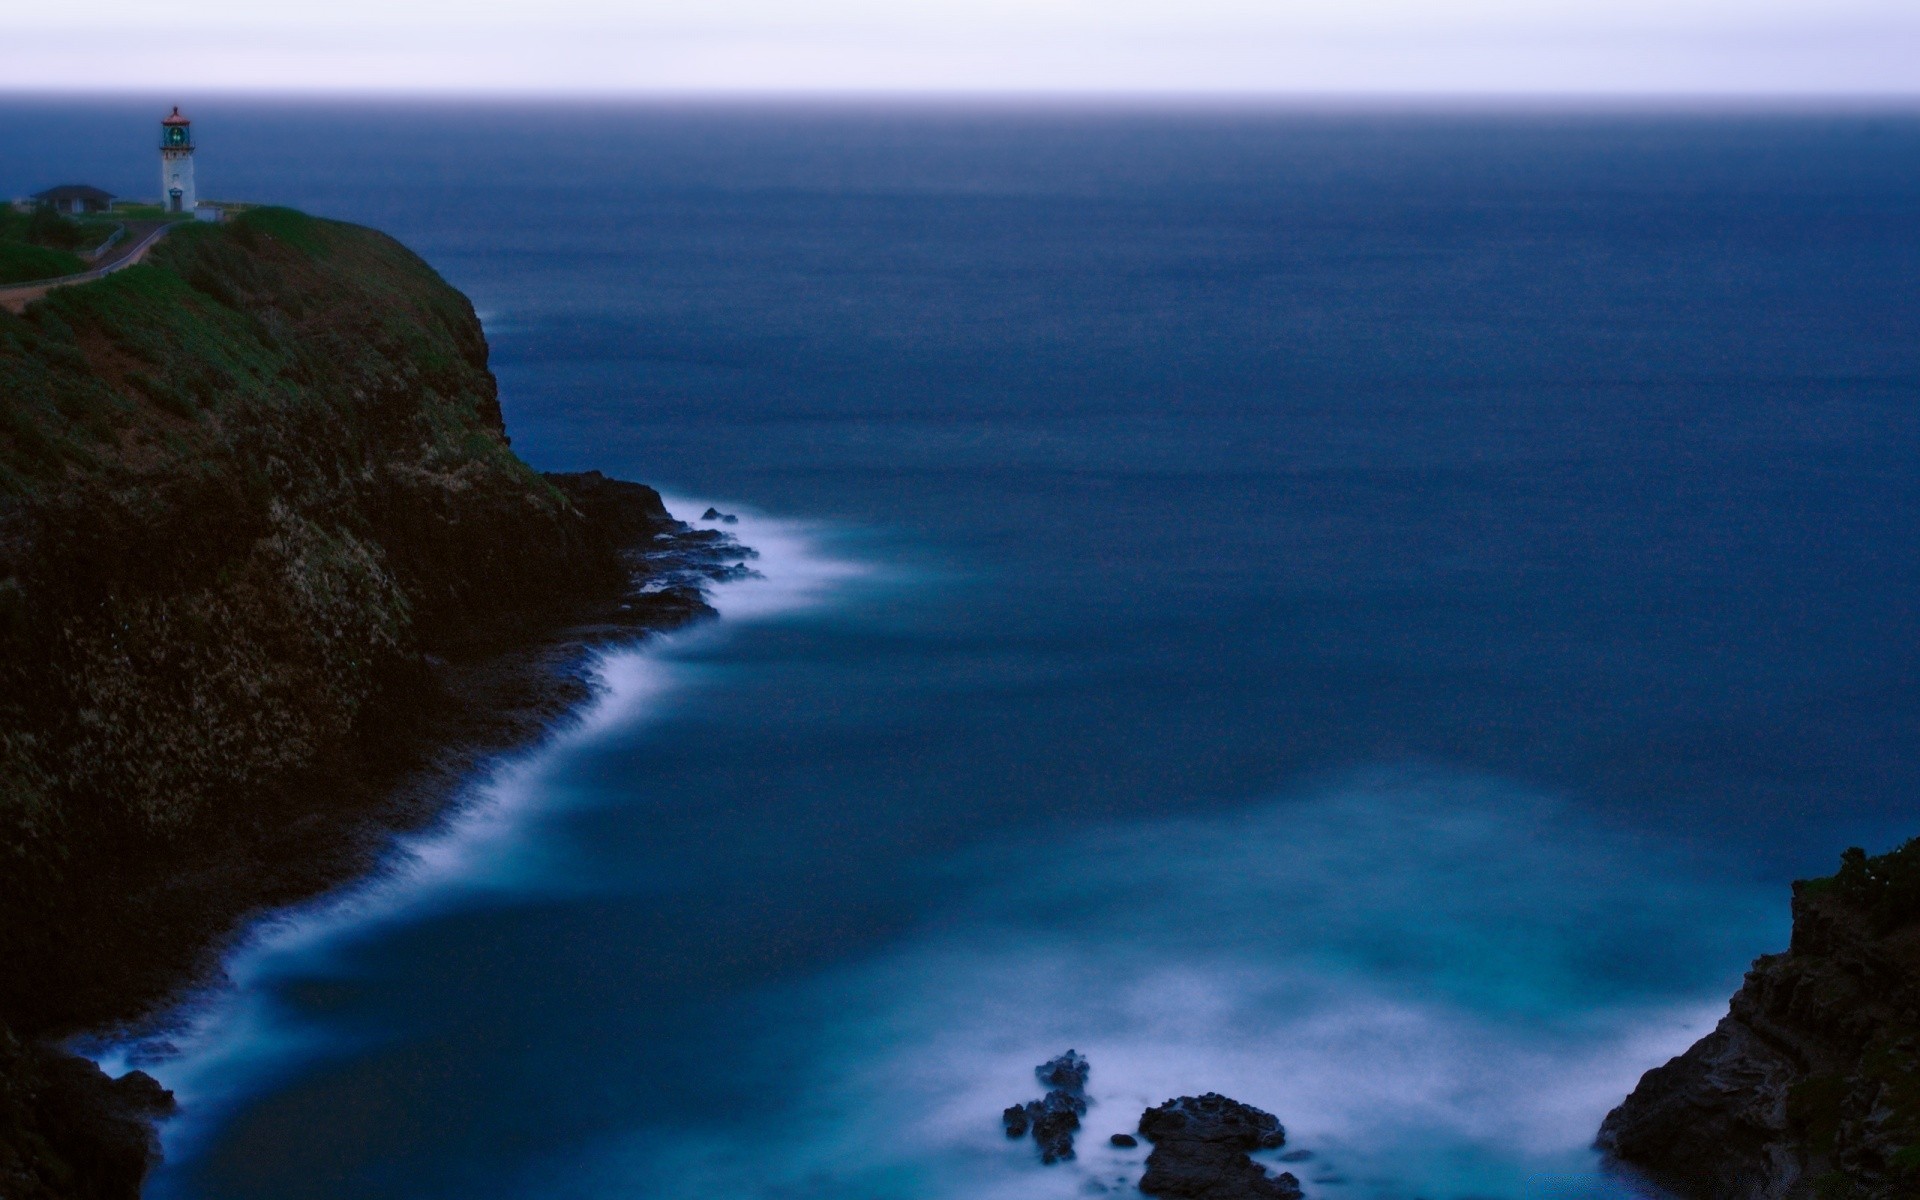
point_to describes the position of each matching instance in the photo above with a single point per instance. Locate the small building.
(75, 199)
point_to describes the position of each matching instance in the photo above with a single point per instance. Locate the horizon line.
(1203, 97)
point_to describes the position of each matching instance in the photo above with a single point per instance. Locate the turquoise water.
(1361, 612)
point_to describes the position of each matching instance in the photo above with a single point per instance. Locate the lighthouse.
(176, 163)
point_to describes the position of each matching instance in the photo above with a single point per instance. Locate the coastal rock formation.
(1200, 1149)
(1054, 1118)
(271, 577)
(68, 1131)
(1810, 1087)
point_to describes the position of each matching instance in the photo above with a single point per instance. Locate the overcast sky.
(1658, 46)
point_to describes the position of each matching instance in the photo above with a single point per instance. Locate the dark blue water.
(1361, 611)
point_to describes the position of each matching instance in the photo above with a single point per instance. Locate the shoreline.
(216, 1040)
(273, 584)
(470, 713)
(212, 1042)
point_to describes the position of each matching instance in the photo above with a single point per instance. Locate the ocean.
(1363, 610)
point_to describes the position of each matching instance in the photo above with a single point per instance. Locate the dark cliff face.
(1810, 1087)
(257, 508)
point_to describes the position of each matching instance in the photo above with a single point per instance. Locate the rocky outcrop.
(68, 1131)
(1201, 1146)
(1054, 1118)
(1809, 1089)
(271, 580)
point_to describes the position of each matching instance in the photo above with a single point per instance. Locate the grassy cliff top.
(44, 244)
(275, 316)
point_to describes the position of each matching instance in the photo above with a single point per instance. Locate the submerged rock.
(1054, 1118)
(1125, 1141)
(1200, 1149)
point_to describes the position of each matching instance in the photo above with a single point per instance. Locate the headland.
(272, 583)
(1809, 1088)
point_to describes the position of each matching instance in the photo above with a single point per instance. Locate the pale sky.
(651, 46)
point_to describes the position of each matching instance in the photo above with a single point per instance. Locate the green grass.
(23, 262)
(126, 211)
(228, 318)
(42, 244)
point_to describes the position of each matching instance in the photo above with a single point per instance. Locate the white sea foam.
(1422, 975)
(229, 1041)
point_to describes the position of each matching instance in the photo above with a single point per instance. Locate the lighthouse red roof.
(176, 118)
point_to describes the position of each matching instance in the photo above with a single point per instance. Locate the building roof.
(73, 191)
(176, 118)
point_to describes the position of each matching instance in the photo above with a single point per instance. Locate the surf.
(233, 1038)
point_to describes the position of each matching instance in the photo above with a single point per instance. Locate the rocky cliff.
(266, 562)
(1810, 1087)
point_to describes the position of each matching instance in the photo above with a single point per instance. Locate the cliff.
(267, 564)
(1810, 1087)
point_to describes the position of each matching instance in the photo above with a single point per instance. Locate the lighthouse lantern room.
(176, 163)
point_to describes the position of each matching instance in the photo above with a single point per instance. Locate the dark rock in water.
(70, 1130)
(1292, 1156)
(714, 514)
(1213, 1118)
(1068, 1073)
(1055, 1120)
(1200, 1148)
(1016, 1120)
(1055, 1117)
(1125, 1141)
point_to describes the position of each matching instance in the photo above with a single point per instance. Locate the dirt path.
(141, 237)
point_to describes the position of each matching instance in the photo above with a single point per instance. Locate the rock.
(69, 1131)
(714, 514)
(1068, 1073)
(1806, 1086)
(1200, 1149)
(1055, 1117)
(1125, 1141)
(1293, 1156)
(626, 511)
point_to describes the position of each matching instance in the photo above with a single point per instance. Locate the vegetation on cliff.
(1809, 1089)
(42, 244)
(1886, 888)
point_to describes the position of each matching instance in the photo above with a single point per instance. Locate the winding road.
(141, 236)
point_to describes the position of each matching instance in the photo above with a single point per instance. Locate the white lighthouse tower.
(176, 163)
